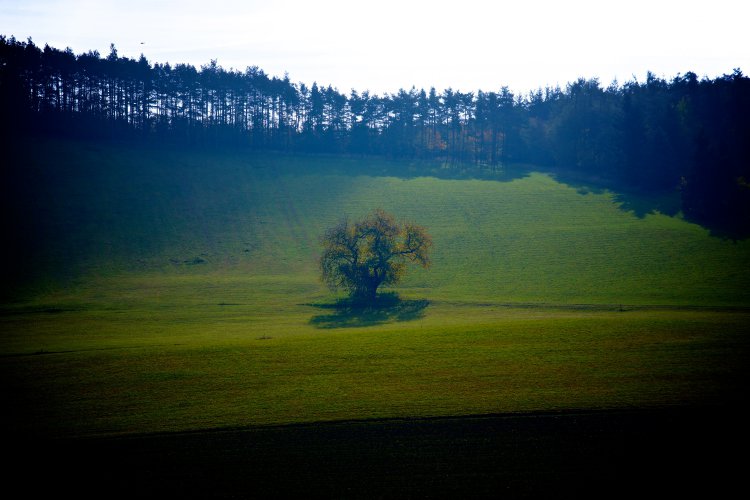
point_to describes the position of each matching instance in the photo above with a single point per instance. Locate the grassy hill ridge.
(88, 210)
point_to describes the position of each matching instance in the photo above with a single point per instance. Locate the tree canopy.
(361, 256)
(686, 135)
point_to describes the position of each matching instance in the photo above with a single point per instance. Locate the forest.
(687, 135)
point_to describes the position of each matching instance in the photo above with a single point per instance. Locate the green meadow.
(167, 290)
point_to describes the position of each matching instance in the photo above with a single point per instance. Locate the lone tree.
(362, 256)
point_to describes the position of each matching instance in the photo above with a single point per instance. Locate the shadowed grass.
(387, 308)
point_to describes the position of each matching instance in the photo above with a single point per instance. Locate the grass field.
(169, 291)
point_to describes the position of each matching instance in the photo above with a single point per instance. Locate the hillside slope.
(81, 210)
(160, 291)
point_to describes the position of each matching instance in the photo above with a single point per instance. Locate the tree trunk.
(367, 292)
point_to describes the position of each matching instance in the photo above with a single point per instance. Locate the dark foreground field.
(596, 453)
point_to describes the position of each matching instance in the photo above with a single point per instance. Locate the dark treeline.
(687, 134)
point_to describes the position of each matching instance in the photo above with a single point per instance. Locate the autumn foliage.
(361, 256)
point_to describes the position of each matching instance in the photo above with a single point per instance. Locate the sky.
(385, 45)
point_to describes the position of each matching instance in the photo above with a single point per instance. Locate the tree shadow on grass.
(639, 202)
(387, 308)
(643, 204)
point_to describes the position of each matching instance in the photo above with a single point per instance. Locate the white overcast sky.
(385, 45)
